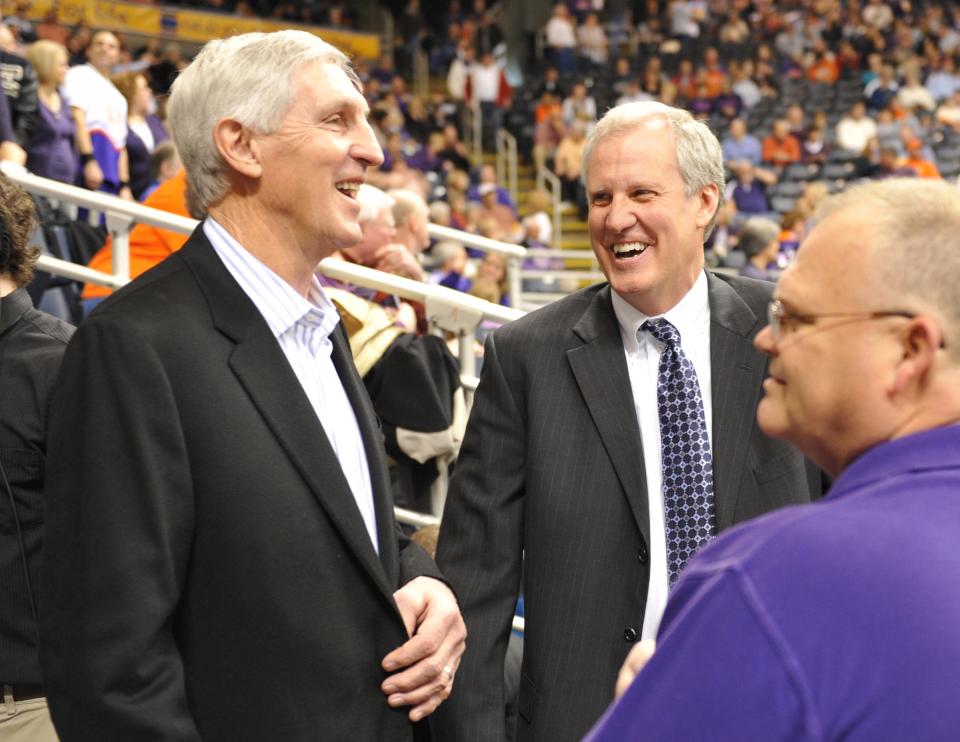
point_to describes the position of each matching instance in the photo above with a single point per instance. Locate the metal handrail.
(507, 161)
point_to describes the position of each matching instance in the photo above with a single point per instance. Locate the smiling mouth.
(625, 250)
(348, 188)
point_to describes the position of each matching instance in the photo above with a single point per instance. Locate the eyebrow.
(343, 102)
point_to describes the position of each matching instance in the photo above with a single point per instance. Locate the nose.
(764, 341)
(621, 214)
(365, 146)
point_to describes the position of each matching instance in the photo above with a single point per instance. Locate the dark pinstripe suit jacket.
(551, 479)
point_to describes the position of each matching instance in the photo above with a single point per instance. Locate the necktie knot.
(663, 331)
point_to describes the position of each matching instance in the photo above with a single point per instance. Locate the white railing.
(447, 309)
(514, 254)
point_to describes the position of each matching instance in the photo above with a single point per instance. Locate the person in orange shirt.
(915, 160)
(148, 245)
(781, 147)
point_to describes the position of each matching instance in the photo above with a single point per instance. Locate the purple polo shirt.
(836, 620)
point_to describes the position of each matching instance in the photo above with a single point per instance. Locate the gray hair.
(757, 233)
(405, 203)
(699, 156)
(247, 78)
(916, 250)
(445, 250)
(372, 202)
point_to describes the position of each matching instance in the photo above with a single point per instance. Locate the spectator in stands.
(948, 113)
(508, 227)
(727, 105)
(797, 122)
(864, 379)
(856, 129)
(19, 80)
(488, 175)
(943, 81)
(490, 283)
(451, 257)
(165, 69)
(913, 93)
(567, 164)
(429, 158)
(748, 190)
(539, 208)
(547, 136)
(454, 150)
(815, 149)
(459, 72)
(195, 335)
(877, 14)
(633, 94)
(781, 147)
(555, 416)
(892, 166)
(164, 165)
(488, 85)
(552, 83)
(593, 43)
(824, 69)
(561, 39)
(411, 217)
(880, 92)
(580, 106)
(51, 149)
(740, 146)
(31, 346)
(100, 113)
(701, 104)
(744, 85)
(144, 128)
(918, 162)
(760, 243)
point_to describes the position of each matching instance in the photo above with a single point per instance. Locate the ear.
(918, 344)
(236, 146)
(708, 200)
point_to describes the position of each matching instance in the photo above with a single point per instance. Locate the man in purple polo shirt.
(836, 620)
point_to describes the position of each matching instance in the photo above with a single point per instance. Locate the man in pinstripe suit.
(561, 476)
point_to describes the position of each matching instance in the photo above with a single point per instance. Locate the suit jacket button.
(643, 555)
(630, 634)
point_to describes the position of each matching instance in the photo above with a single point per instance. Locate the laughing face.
(315, 161)
(647, 234)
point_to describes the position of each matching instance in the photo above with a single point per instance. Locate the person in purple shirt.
(836, 620)
(51, 148)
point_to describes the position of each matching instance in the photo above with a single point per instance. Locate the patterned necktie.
(685, 451)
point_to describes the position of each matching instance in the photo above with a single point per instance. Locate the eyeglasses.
(782, 321)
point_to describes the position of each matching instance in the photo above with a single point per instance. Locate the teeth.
(348, 188)
(625, 249)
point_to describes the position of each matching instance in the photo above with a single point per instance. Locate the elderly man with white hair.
(222, 559)
(836, 620)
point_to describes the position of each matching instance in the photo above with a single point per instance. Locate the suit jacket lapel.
(263, 371)
(600, 369)
(376, 459)
(737, 376)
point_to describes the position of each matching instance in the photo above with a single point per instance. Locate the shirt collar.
(281, 306)
(690, 315)
(936, 448)
(13, 306)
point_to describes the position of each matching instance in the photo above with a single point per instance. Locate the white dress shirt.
(691, 317)
(302, 327)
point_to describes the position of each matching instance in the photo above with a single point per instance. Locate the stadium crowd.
(784, 104)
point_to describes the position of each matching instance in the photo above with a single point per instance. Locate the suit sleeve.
(480, 552)
(722, 670)
(119, 526)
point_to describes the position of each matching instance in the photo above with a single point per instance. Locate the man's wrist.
(86, 158)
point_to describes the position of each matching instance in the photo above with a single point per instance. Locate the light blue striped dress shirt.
(302, 327)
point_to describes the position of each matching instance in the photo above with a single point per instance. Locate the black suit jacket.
(207, 574)
(551, 479)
